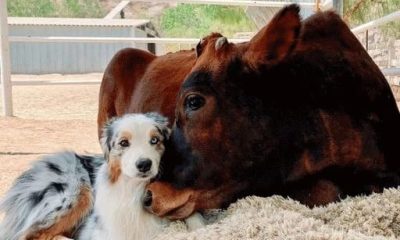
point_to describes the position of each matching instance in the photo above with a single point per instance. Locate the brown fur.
(114, 169)
(69, 220)
(126, 136)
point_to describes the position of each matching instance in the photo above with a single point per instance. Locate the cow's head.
(220, 134)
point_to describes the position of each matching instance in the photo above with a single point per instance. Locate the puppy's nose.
(143, 165)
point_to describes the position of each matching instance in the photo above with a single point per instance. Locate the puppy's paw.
(195, 221)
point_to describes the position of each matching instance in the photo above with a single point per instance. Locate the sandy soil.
(47, 119)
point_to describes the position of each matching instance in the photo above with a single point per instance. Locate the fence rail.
(41, 83)
(391, 71)
(113, 40)
(248, 3)
(376, 23)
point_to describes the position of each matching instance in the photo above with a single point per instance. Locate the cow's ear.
(276, 40)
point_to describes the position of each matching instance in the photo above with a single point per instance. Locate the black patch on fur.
(54, 168)
(98, 222)
(163, 132)
(109, 133)
(58, 208)
(198, 79)
(87, 164)
(69, 206)
(198, 49)
(37, 197)
(59, 187)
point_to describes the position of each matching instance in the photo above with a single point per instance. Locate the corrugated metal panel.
(66, 58)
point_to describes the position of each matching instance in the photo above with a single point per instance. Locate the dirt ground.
(47, 119)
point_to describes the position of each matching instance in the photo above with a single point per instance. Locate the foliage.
(198, 20)
(52, 8)
(357, 12)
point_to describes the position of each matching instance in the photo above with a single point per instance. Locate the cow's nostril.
(143, 165)
(148, 198)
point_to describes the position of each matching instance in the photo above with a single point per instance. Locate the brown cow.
(301, 110)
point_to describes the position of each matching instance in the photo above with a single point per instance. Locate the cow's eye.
(154, 140)
(124, 143)
(193, 102)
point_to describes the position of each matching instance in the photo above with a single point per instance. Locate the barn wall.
(66, 58)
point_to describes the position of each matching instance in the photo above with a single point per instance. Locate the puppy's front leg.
(195, 221)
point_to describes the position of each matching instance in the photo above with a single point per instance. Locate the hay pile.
(365, 217)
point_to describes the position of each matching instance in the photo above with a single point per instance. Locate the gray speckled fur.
(45, 192)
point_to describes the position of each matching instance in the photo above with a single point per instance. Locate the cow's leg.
(338, 184)
(316, 193)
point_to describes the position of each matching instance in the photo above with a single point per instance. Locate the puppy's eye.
(154, 140)
(124, 143)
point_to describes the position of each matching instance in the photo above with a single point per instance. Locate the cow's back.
(157, 90)
(138, 81)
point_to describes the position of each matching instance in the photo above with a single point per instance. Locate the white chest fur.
(119, 210)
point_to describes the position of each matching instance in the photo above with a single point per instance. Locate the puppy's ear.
(161, 123)
(166, 132)
(106, 138)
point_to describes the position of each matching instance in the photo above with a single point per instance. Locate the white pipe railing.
(113, 40)
(54, 82)
(248, 3)
(391, 71)
(376, 23)
(117, 9)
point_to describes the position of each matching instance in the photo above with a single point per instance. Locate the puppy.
(56, 196)
(133, 146)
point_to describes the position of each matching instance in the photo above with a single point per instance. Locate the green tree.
(187, 20)
(357, 12)
(51, 8)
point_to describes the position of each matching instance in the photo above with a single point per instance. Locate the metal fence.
(6, 39)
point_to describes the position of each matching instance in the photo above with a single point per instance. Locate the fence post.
(338, 7)
(5, 66)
